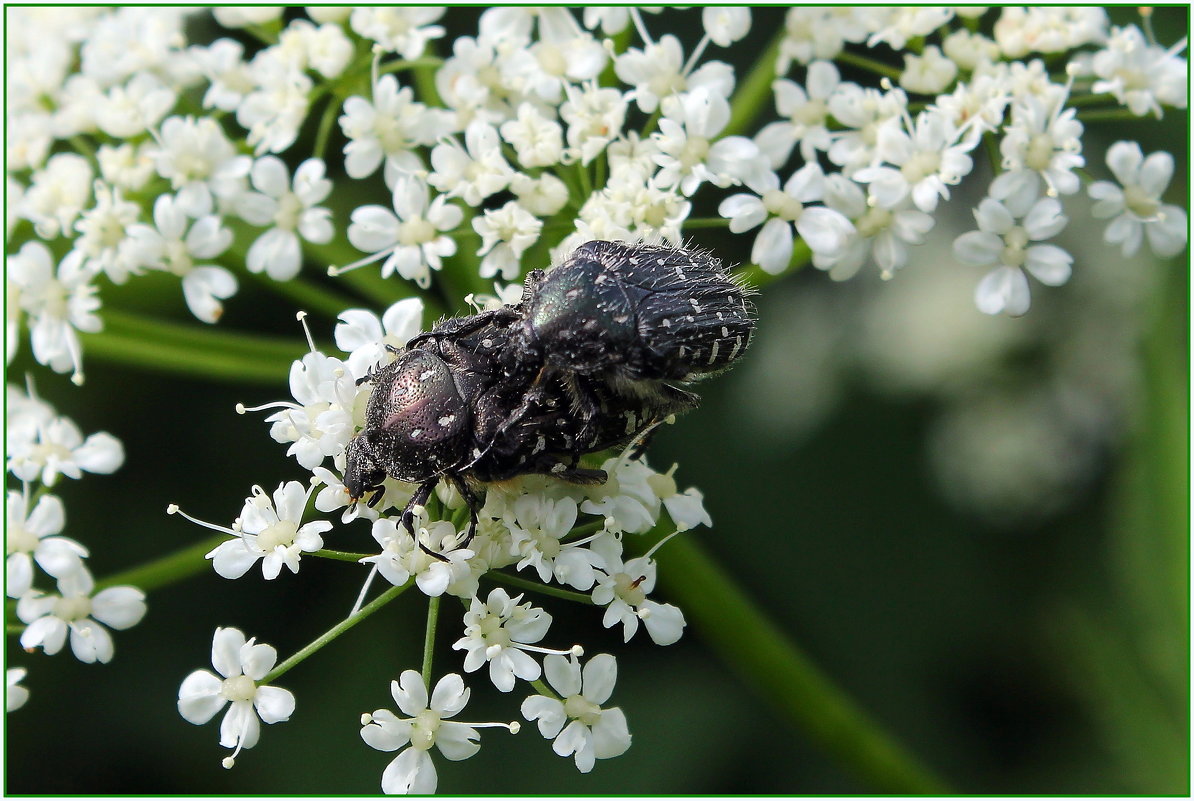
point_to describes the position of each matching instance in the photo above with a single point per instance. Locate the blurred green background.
(977, 527)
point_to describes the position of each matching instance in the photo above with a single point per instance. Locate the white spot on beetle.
(446, 419)
(737, 346)
(713, 354)
(725, 332)
(423, 376)
(415, 434)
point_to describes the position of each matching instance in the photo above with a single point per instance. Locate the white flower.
(819, 32)
(537, 525)
(200, 163)
(1022, 30)
(562, 54)
(105, 235)
(411, 238)
(15, 695)
(54, 446)
(657, 71)
(927, 155)
(325, 49)
(538, 141)
(273, 112)
(30, 537)
(57, 194)
(473, 172)
(135, 107)
(969, 49)
(623, 592)
(542, 196)
(1044, 137)
(242, 664)
(807, 112)
(1141, 76)
(321, 422)
(243, 16)
(594, 116)
(126, 167)
(724, 26)
(75, 610)
(626, 500)
(403, 30)
(403, 555)
(864, 112)
(1005, 244)
(364, 336)
(687, 509)
(823, 229)
(902, 24)
(228, 76)
(58, 304)
(293, 212)
(412, 771)
(577, 723)
(928, 73)
(506, 233)
(270, 531)
(1135, 205)
(175, 245)
(688, 155)
(496, 631)
(881, 235)
(389, 127)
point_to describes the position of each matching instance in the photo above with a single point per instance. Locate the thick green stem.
(192, 350)
(335, 631)
(768, 661)
(168, 569)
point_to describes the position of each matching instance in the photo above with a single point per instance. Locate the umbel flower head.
(367, 139)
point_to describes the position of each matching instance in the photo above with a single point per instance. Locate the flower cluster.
(42, 447)
(549, 530)
(133, 152)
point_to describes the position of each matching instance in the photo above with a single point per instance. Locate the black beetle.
(597, 352)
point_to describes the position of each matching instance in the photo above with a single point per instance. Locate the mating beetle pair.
(598, 351)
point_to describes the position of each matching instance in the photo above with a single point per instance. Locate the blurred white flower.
(1004, 241)
(1135, 205)
(76, 611)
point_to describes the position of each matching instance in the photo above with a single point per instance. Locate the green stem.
(870, 64)
(187, 360)
(1107, 114)
(340, 556)
(203, 336)
(335, 631)
(429, 638)
(767, 660)
(324, 132)
(181, 564)
(542, 688)
(706, 222)
(752, 93)
(1091, 100)
(511, 580)
(191, 350)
